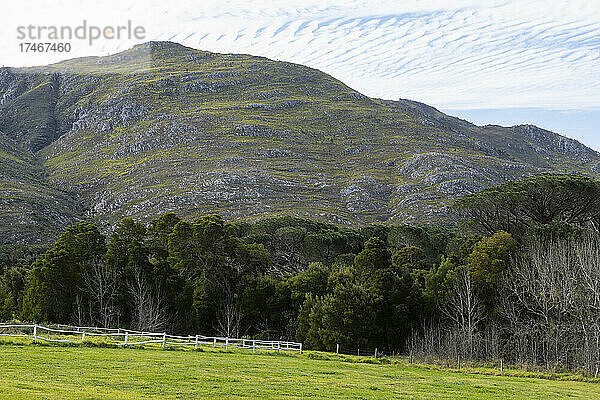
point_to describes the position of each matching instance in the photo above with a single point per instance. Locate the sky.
(491, 62)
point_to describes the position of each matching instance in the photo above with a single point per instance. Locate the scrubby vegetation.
(162, 127)
(525, 291)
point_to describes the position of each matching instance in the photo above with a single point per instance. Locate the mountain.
(162, 127)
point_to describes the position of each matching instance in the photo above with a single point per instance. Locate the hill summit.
(163, 127)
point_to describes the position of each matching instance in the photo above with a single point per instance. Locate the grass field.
(55, 372)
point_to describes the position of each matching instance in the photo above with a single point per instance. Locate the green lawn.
(54, 372)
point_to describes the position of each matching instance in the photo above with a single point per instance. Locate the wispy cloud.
(471, 55)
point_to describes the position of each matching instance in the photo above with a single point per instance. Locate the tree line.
(517, 279)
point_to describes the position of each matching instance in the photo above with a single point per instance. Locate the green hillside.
(162, 127)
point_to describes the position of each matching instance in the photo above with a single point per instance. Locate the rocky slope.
(162, 127)
(32, 210)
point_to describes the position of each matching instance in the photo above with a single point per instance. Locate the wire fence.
(372, 352)
(126, 337)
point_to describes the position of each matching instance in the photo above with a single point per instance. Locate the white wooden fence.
(126, 337)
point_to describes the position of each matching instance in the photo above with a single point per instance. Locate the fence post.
(196, 345)
(83, 337)
(300, 348)
(164, 339)
(226, 344)
(253, 346)
(126, 338)
(375, 352)
(278, 346)
(35, 334)
(215, 342)
(358, 352)
(501, 366)
(337, 348)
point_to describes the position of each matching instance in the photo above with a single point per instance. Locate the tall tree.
(54, 289)
(374, 256)
(516, 207)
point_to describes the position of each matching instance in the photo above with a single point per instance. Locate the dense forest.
(518, 279)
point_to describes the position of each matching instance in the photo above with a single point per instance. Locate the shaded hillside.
(31, 209)
(162, 127)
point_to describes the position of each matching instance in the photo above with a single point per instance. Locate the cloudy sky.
(490, 61)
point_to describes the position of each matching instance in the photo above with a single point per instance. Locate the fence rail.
(126, 337)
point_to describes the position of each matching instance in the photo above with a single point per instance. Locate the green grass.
(58, 372)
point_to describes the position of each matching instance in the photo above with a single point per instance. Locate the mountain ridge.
(163, 127)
